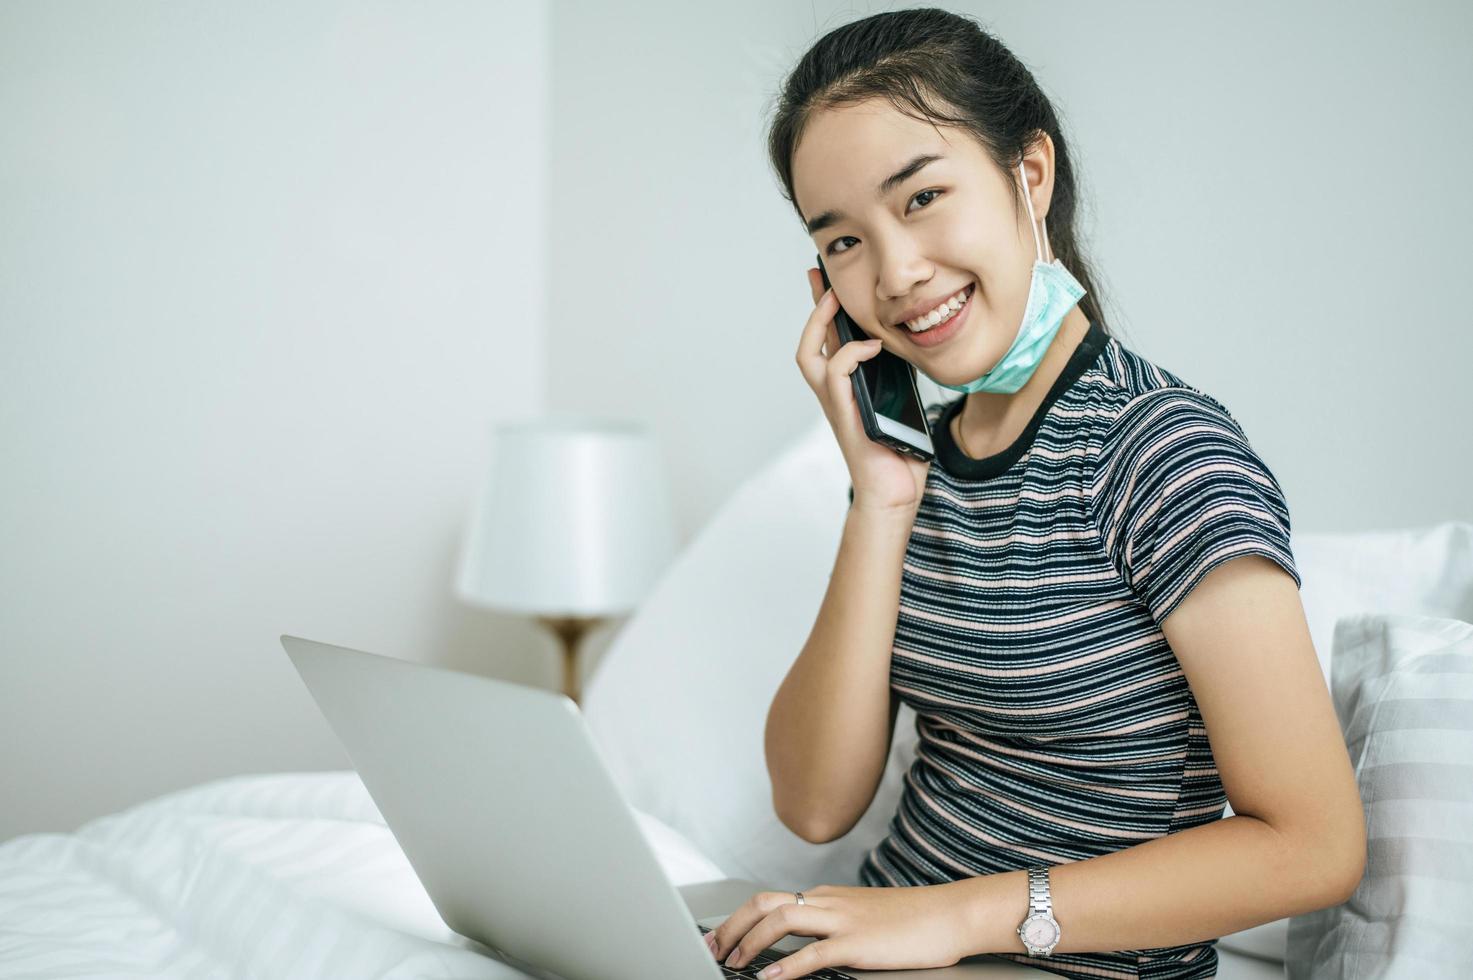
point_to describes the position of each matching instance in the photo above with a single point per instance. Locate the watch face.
(1040, 931)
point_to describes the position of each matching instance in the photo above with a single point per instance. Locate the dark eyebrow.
(822, 221)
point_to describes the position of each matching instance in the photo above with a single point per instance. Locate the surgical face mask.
(1052, 293)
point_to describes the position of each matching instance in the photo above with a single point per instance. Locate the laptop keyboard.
(772, 955)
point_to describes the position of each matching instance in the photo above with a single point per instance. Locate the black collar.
(958, 463)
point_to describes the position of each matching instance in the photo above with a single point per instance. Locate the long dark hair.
(914, 58)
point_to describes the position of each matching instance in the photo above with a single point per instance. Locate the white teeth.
(943, 312)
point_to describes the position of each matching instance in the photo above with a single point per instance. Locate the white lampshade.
(573, 519)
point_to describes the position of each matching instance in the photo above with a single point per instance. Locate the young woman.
(1088, 596)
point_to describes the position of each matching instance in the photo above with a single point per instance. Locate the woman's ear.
(1038, 163)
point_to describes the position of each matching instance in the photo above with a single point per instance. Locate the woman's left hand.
(867, 928)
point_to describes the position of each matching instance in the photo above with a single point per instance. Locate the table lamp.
(571, 525)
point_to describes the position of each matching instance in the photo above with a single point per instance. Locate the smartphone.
(885, 388)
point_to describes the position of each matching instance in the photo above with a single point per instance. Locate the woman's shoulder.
(1162, 434)
(1145, 398)
(1178, 488)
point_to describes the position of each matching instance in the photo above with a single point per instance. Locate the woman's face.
(947, 226)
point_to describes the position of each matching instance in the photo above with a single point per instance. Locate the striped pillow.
(1403, 690)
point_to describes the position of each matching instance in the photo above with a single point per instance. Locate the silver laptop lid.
(498, 796)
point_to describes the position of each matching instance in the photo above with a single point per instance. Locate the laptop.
(498, 796)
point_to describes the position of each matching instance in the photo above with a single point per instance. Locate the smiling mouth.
(965, 294)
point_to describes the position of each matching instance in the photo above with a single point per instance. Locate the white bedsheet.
(282, 875)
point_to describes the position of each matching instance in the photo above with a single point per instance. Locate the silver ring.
(800, 898)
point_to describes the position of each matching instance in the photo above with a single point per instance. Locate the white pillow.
(679, 701)
(682, 862)
(1403, 688)
(1419, 571)
(1425, 571)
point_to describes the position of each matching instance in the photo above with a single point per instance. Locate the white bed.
(283, 875)
(295, 875)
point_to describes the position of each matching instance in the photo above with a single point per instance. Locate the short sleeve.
(1178, 491)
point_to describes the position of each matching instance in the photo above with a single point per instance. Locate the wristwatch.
(1040, 931)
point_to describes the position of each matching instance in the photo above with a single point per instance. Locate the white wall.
(1280, 210)
(1282, 201)
(266, 272)
(267, 275)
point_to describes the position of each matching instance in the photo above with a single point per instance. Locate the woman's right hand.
(883, 478)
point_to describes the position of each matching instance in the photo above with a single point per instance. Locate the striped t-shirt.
(1055, 723)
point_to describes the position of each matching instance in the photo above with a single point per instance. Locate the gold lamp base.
(570, 631)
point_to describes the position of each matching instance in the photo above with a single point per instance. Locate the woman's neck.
(990, 421)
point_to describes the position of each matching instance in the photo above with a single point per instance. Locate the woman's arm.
(832, 720)
(1298, 840)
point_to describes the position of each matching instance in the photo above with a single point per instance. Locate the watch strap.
(1038, 893)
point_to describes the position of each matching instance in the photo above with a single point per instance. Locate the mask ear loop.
(1033, 222)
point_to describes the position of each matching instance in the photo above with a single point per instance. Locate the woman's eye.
(919, 194)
